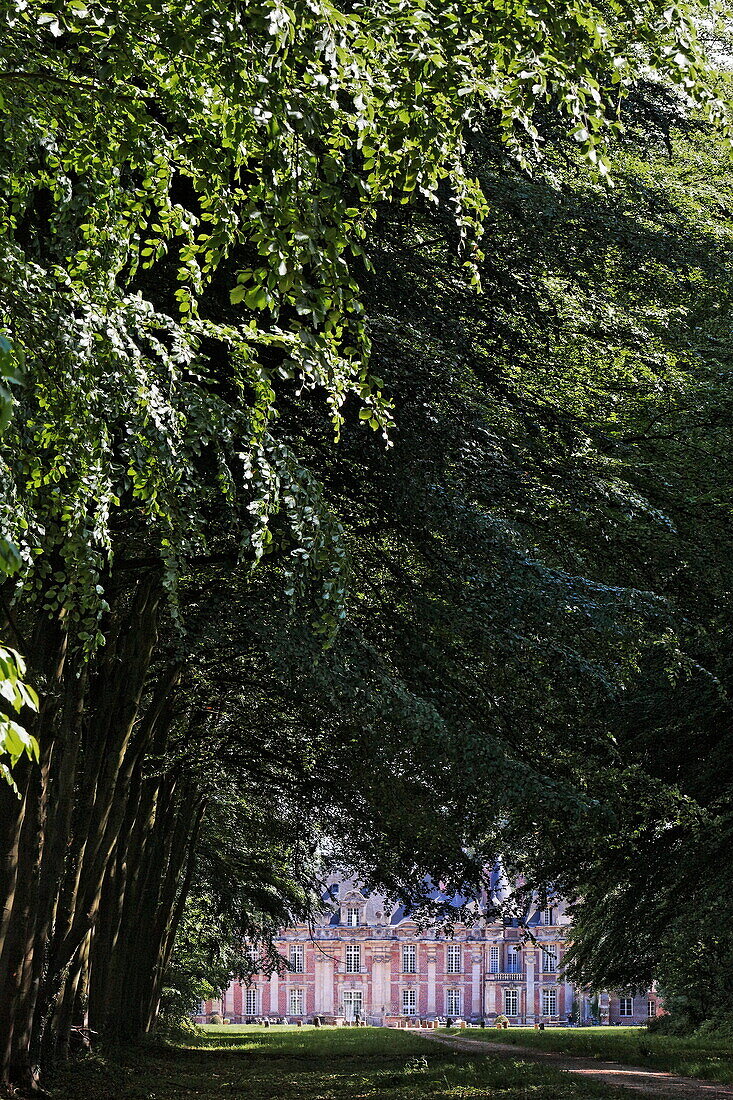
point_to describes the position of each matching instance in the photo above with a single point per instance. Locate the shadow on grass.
(320, 1065)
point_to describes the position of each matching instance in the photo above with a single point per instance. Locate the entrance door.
(352, 1004)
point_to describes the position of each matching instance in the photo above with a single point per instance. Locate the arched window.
(514, 959)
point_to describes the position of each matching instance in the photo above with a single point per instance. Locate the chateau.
(369, 960)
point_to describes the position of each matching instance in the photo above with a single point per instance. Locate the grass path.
(638, 1079)
(324, 1064)
(708, 1058)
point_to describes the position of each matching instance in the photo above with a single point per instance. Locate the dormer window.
(548, 916)
(353, 916)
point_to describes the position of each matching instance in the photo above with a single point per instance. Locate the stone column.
(380, 982)
(273, 994)
(476, 998)
(530, 960)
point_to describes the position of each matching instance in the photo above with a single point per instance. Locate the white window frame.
(297, 958)
(623, 1004)
(409, 1002)
(548, 915)
(453, 1002)
(514, 959)
(352, 916)
(353, 958)
(511, 1002)
(549, 1002)
(353, 1003)
(549, 959)
(651, 1009)
(296, 1000)
(494, 958)
(251, 1002)
(409, 958)
(453, 959)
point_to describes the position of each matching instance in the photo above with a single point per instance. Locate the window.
(494, 958)
(625, 1006)
(409, 958)
(250, 1002)
(296, 1002)
(353, 958)
(352, 917)
(353, 1001)
(549, 960)
(549, 1002)
(651, 1008)
(409, 1002)
(514, 960)
(511, 1002)
(548, 916)
(296, 958)
(453, 958)
(453, 1002)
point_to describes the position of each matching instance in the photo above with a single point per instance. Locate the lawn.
(251, 1063)
(690, 1057)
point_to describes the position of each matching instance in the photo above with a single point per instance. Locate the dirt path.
(647, 1082)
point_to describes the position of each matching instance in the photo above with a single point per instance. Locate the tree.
(15, 741)
(186, 210)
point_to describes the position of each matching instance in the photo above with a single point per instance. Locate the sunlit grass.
(688, 1056)
(287, 1063)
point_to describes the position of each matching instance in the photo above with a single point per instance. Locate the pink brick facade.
(369, 958)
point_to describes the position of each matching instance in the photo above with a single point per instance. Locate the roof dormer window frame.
(352, 910)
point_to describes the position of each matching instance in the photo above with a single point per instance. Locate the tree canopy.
(318, 553)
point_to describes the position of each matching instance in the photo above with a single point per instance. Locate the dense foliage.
(258, 651)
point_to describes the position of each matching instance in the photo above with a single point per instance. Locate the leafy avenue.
(364, 493)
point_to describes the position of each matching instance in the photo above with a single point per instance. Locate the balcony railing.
(506, 976)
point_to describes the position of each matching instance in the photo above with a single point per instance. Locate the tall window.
(296, 1002)
(549, 1002)
(514, 960)
(625, 1006)
(453, 1002)
(409, 1002)
(511, 1002)
(651, 1008)
(453, 958)
(352, 917)
(409, 958)
(250, 1002)
(494, 958)
(296, 958)
(549, 960)
(548, 916)
(353, 958)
